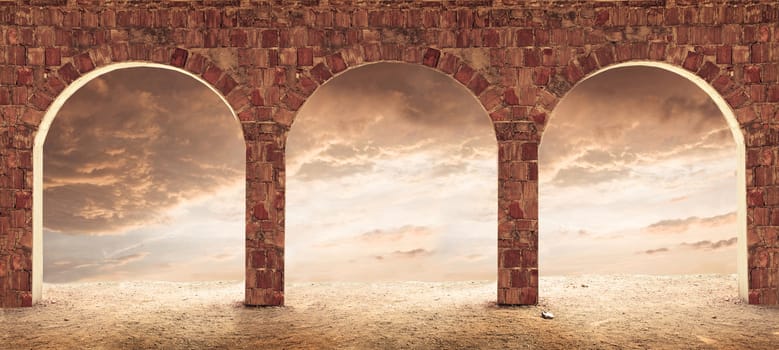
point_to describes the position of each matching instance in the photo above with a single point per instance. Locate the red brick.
(529, 151)
(305, 56)
(601, 17)
(449, 63)
(24, 76)
(723, 84)
(320, 73)
(605, 55)
(709, 71)
(511, 258)
(256, 98)
(693, 61)
(179, 57)
(524, 37)
(258, 259)
(532, 57)
(260, 213)
(52, 56)
(431, 57)
(270, 38)
(84, 63)
(41, 101)
(755, 197)
(212, 74)
(23, 200)
(464, 74)
(760, 52)
(751, 74)
(478, 84)
(515, 210)
(772, 95)
(510, 97)
(293, 101)
(336, 63)
(573, 73)
(740, 54)
(226, 84)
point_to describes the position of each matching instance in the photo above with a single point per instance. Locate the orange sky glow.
(391, 175)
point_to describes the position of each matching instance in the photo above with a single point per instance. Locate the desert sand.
(591, 312)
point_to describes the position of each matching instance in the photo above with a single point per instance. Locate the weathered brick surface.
(266, 57)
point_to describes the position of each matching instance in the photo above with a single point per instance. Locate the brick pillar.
(264, 214)
(16, 221)
(763, 221)
(517, 220)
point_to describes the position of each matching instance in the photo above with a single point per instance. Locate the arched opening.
(142, 161)
(391, 176)
(654, 218)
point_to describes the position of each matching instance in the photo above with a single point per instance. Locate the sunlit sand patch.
(598, 323)
(706, 340)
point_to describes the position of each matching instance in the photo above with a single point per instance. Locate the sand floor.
(591, 312)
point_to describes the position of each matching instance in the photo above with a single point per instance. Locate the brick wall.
(519, 58)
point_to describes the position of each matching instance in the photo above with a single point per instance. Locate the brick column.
(517, 214)
(15, 219)
(264, 214)
(763, 217)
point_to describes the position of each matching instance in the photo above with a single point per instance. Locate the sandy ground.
(591, 312)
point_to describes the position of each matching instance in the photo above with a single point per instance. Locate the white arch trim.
(40, 139)
(738, 136)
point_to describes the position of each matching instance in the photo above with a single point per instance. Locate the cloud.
(376, 113)
(709, 245)
(655, 251)
(109, 264)
(99, 86)
(612, 122)
(396, 234)
(449, 168)
(681, 225)
(474, 257)
(579, 176)
(324, 170)
(221, 256)
(399, 144)
(132, 144)
(699, 245)
(411, 254)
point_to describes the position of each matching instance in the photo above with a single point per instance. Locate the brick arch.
(716, 80)
(274, 52)
(265, 226)
(65, 71)
(475, 80)
(48, 96)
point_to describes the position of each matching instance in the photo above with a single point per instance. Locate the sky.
(637, 172)
(143, 179)
(391, 175)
